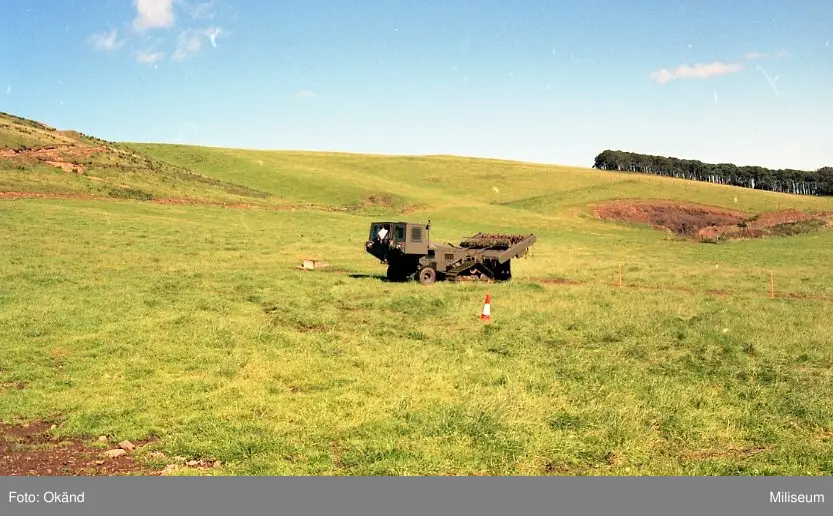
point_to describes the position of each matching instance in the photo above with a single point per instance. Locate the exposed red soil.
(65, 157)
(66, 167)
(757, 227)
(704, 223)
(779, 217)
(681, 218)
(29, 450)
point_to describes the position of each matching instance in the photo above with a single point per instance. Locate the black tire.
(427, 275)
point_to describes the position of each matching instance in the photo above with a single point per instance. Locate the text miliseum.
(788, 497)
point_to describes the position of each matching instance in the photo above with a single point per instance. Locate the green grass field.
(191, 325)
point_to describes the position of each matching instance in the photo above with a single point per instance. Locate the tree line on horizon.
(801, 182)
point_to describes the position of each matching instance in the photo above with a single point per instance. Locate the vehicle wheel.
(427, 275)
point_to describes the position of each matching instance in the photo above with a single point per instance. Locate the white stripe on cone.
(487, 308)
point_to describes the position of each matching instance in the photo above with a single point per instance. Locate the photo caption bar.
(521, 496)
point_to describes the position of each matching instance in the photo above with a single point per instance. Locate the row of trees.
(819, 182)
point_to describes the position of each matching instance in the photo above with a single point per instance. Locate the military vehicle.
(407, 250)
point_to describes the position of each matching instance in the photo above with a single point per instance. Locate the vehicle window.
(400, 233)
(416, 234)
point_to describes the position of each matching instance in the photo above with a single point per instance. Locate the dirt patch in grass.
(65, 166)
(373, 201)
(557, 281)
(65, 157)
(710, 223)
(382, 199)
(777, 223)
(681, 218)
(13, 385)
(30, 450)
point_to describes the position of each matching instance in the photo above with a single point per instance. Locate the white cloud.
(698, 71)
(105, 41)
(9, 89)
(305, 95)
(160, 14)
(201, 11)
(189, 42)
(662, 76)
(149, 57)
(755, 55)
(153, 14)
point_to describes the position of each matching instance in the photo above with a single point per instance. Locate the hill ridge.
(378, 185)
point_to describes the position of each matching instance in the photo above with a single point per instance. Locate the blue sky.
(547, 81)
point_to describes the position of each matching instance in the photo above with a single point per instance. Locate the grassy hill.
(136, 316)
(36, 158)
(436, 181)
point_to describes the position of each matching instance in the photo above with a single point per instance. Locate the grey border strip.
(458, 496)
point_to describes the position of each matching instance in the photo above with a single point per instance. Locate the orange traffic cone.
(487, 309)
